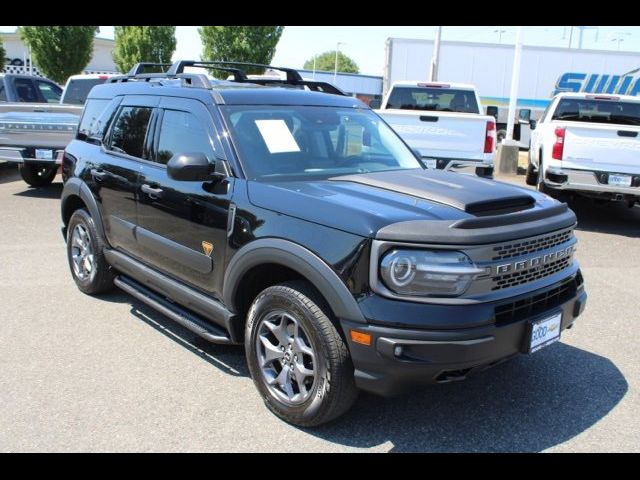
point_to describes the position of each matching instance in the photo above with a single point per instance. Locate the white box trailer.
(545, 71)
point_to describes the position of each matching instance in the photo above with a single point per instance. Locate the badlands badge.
(207, 248)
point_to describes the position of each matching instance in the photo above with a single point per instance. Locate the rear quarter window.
(93, 124)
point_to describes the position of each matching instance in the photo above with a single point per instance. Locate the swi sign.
(624, 84)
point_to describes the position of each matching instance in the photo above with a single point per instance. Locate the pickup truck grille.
(530, 246)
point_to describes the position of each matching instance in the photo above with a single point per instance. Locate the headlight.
(428, 273)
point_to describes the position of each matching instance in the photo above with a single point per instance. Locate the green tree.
(143, 44)
(255, 44)
(59, 51)
(2, 55)
(326, 62)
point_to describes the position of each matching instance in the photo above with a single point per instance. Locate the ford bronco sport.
(292, 219)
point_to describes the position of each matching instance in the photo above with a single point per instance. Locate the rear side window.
(91, 125)
(77, 90)
(129, 130)
(434, 99)
(181, 132)
(25, 90)
(49, 91)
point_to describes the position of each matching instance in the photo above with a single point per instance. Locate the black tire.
(532, 174)
(333, 390)
(101, 278)
(37, 175)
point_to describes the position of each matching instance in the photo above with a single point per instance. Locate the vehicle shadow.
(9, 172)
(51, 191)
(612, 217)
(228, 358)
(528, 404)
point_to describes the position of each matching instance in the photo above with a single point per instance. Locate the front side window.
(286, 142)
(129, 130)
(49, 91)
(181, 132)
(433, 99)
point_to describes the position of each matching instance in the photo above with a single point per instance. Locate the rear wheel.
(89, 269)
(37, 175)
(298, 361)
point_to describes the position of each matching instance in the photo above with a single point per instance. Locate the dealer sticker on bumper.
(545, 332)
(431, 162)
(44, 154)
(620, 180)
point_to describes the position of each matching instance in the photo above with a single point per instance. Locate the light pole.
(499, 31)
(618, 37)
(314, 65)
(335, 70)
(433, 75)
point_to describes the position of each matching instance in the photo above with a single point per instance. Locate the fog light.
(397, 351)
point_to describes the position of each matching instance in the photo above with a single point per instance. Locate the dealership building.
(17, 56)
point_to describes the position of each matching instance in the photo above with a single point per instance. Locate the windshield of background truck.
(434, 99)
(597, 111)
(287, 142)
(78, 90)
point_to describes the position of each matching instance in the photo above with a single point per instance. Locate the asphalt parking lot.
(109, 374)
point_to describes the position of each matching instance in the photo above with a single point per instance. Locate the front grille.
(530, 246)
(537, 304)
(530, 275)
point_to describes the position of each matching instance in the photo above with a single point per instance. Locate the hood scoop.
(473, 195)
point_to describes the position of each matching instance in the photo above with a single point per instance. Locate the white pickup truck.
(444, 123)
(588, 144)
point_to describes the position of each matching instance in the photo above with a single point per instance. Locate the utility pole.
(433, 74)
(335, 71)
(570, 35)
(515, 79)
(314, 65)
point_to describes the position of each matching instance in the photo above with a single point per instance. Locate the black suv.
(297, 222)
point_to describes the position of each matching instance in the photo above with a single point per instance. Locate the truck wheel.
(37, 175)
(89, 269)
(298, 361)
(532, 175)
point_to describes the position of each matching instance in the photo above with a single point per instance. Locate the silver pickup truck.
(33, 134)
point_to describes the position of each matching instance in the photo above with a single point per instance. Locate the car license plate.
(431, 162)
(545, 332)
(43, 154)
(620, 180)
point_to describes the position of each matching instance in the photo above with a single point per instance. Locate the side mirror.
(532, 124)
(375, 104)
(524, 115)
(194, 167)
(493, 111)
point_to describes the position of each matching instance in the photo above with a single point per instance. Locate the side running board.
(179, 315)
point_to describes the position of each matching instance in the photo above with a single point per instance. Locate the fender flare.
(76, 187)
(299, 259)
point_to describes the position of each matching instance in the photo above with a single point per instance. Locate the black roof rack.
(176, 71)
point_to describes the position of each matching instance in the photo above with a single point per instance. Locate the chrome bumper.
(19, 155)
(587, 181)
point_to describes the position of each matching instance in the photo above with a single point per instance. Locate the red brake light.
(434, 85)
(558, 146)
(489, 137)
(103, 77)
(602, 97)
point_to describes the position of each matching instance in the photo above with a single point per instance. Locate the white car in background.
(444, 123)
(588, 144)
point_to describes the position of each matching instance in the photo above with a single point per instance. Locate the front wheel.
(298, 361)
(37, 175)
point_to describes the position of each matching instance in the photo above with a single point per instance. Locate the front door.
(182, 226)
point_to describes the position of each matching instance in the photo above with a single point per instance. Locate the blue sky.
(366, 44)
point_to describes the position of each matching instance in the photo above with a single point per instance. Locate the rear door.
(115, 170)
(182, 226)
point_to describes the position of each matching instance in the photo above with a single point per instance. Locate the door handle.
(98, 175)
(152, 192)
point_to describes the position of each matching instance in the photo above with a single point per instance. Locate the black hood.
(422, 203)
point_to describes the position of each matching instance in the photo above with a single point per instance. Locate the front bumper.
(400, 358)
(590, 181)
(28, 155)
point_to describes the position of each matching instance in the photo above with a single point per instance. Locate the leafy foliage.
(59, 51)
(3, 54)
(143, 44)
(255, 44)
(325, 62)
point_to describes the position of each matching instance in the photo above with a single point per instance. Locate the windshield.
(597, 111)
(435, 99)
(285, 142)
(78, 90)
